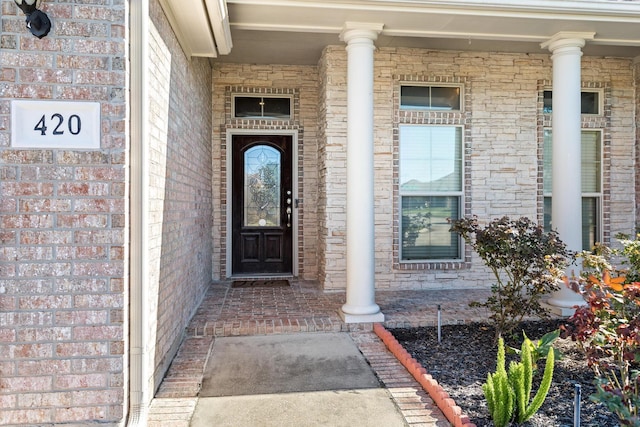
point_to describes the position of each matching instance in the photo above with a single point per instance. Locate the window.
(442, 98)
(431, 177)
(591, 185)
(261, 107)
(589, 102)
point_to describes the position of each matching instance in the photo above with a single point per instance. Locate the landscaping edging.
(439, 396)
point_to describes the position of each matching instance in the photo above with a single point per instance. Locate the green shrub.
(527, 264)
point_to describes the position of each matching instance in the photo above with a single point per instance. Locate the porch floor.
(303, 307)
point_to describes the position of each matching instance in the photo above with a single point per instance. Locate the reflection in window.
(430, 191)
(589, 102)
(262, 187)
(263, 107)
(444, 98)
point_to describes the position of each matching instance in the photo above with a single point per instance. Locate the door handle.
(288, 208)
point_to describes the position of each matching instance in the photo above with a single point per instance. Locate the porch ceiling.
(296, 31)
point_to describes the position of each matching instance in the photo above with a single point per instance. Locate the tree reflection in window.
(262, 187)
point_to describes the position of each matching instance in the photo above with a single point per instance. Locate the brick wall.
(302, 83)
(180, 206)
(63, 224)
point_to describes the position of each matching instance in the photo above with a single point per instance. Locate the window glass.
(262, 187)
(278, 108)
(262, 107)
(430, 191)
(589, 102)
(425, 229)
(591, 179)
(446, 98)
(246, 106)
(430, 158)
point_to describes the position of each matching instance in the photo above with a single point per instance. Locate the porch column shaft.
(566, 216)
(360, 305)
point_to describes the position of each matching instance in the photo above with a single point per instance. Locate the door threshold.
(261, 276)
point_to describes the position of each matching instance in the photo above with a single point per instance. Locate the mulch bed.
(466, 353)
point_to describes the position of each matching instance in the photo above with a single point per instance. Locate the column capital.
(367, 30)
(567, 39)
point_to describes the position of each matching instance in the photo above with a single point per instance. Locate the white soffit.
(190, 23)
(259, 27)
(515, 20)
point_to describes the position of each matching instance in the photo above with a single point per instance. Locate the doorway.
(262, 204)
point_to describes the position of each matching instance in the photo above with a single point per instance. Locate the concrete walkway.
(299, 326)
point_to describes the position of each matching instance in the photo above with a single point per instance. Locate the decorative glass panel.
(430, 158)
(425, 230)
(262, 187)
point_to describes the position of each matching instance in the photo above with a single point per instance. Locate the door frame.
(294, 189)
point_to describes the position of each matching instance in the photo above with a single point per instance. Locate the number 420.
(74, 124)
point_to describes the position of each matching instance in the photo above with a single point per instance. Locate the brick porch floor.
(302, 307)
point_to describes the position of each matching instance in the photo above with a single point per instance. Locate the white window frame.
(459, 194)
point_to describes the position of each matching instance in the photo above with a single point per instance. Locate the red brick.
(40, 302)
(42, 367)
(25, 189)
(98, 301)
(44, 400)
(47, 237)
(44, 334)
(82, 317)
(83, 189)
(93, 413)
(71, 381)
(26, 221)
(83, 221)
(25, 416)
(81, 349)
(26, 384)
(97, 333)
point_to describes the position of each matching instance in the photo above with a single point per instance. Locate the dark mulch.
(466, 353)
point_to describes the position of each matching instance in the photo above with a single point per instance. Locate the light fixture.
(37, 21)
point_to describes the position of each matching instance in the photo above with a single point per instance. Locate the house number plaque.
(71, 125)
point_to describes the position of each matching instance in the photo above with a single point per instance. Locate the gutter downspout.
(138, 196)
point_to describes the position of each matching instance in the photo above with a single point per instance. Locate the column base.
(558, 310)
(361, 318)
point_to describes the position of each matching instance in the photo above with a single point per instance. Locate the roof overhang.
(296, 31)
(201, 26)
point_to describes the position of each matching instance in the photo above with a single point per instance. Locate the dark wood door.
(262, 204)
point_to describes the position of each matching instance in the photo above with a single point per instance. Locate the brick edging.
(440, 397)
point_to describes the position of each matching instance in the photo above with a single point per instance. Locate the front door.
(262, 209)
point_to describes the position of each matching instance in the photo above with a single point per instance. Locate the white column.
(566, 217)
(360, 305)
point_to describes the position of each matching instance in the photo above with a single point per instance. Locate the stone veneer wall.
(502, 157)
(302, 83)
(63, 227)
(180, 205)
